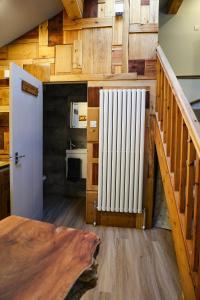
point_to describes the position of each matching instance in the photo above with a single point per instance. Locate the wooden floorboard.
(133, 264)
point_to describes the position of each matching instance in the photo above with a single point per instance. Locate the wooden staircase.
(177, 139)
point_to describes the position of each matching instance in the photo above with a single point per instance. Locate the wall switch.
(196, 27)
(6, 73)
(93, 124)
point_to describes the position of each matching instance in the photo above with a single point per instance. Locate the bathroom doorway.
(64, 148)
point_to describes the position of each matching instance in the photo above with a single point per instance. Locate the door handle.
(17, 157)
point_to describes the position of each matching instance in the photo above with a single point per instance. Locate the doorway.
(64, 146)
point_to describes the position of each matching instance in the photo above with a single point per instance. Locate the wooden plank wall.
(4, 119)
(99, 43)
(4, 193)
(99, 48)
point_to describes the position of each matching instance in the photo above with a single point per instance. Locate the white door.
(26, 145)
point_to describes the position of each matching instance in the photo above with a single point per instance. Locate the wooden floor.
(133, 264)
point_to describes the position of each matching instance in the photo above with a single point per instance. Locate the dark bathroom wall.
(57, 134)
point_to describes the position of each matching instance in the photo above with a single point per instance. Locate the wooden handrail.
(180, 135)
(186, 110)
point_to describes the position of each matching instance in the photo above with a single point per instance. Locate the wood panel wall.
(98, 44)
(4, 193)
(102, 49)
(4, 119)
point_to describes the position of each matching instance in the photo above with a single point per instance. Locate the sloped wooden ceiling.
(174, 6)
(19, 16)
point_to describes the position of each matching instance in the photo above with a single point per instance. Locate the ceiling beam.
(174, 6)
(74, 8)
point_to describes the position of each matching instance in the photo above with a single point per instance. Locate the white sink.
(82, 155)
(76, 151)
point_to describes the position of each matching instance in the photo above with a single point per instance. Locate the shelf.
(4, 109)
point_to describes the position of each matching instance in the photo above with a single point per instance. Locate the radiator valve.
(144, 220)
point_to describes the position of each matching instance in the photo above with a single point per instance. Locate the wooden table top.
(40, 261)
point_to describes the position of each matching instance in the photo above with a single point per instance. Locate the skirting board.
(110, 218)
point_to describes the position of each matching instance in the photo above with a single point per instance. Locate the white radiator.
(121, 150)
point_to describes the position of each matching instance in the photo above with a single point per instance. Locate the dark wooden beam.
(174, 6)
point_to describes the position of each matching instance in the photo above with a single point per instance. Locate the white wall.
(19, 16)
(178, 39)
(191, 88)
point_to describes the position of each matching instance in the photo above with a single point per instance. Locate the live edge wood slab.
(40, 261)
